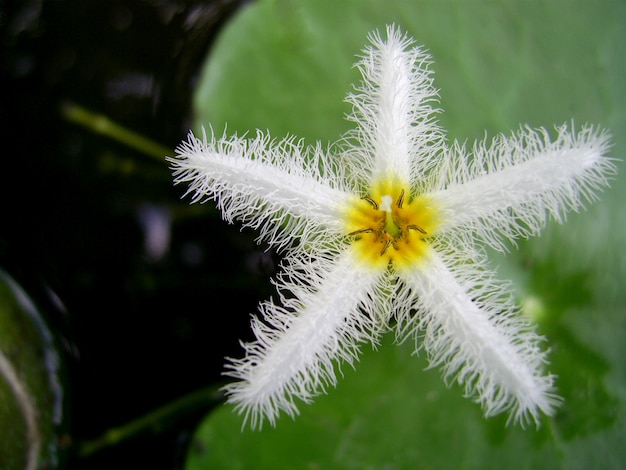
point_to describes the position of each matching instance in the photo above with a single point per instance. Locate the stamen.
(416, 227)
(400, 200)
(386, 224)
(371, 201)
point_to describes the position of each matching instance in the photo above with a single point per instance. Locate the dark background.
(136, 328)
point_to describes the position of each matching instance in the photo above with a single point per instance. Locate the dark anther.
(387, 245)
(361, 230)
(400, 200)
(416, 227)
(371, 201)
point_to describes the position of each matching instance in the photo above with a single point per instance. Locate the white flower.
(380, 232)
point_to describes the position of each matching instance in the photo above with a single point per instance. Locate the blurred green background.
(146, 294)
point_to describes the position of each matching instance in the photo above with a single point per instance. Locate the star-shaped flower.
(385, 230)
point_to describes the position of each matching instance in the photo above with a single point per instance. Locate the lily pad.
(32, 414)
(286, 66)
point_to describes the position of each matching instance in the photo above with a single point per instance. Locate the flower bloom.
(384, 230)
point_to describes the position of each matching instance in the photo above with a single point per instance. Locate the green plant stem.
(155, 421)
(102, 125)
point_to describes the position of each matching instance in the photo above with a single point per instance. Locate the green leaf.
(286, 66)
(388, 413)
(32, 417)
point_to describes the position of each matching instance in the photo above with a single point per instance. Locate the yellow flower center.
(389, 227)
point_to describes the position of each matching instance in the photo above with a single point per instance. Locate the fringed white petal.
(471, 329)
(320, 322)
(395, 132)
(510, 188)
(282, 189)
(297, 196)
